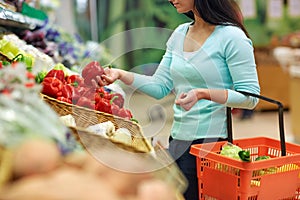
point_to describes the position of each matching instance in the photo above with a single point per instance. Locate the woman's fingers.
(179, 100)
(107, 78)
(186, 100)
(98, 82)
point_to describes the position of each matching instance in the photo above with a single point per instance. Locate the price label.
(248, 8)
(294, 8)
(275, 8)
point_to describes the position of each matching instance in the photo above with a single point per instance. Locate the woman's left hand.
(187, 100)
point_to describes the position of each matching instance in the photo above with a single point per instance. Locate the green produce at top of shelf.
(9, 49)
(14, 54)
(26, 59)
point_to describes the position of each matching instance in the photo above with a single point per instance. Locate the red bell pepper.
(97, 97)
(30, 75)
(75, 80)
(107, 95)
(77, 93)
(29, 84)
(89, 93)
(125, 113)
(90, 71)
(117, 99)
(67, 91)
(5, 91)
(80, 90)
(104, 106)
(100, 90)
(114, 109)
(85, 102)
(64, 99)
(52, 87)
(57, 73)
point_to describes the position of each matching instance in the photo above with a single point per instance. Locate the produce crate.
(85, 117)
(225, 178)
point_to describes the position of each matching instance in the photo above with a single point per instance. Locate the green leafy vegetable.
(231, 151)
(235, 152)
(262, 158)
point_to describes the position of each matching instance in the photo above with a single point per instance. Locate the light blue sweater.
(225, 61)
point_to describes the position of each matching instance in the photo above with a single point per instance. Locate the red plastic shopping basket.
(224, 178)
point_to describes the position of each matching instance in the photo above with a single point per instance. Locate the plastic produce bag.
(24, 114)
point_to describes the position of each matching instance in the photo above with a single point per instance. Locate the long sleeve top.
(225, 61)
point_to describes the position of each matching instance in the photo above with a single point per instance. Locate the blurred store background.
(132, 34)
(128, 34)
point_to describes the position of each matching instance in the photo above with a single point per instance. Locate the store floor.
(155, 117)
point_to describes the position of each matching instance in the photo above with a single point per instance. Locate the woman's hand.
(108, 77)
(187, 100)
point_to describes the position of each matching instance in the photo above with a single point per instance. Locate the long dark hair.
(219, 12)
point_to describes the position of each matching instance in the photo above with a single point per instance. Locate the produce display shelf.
(17, 20)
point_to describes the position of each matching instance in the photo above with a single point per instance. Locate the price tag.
(275, 8)
(248, 8)
(294, 8)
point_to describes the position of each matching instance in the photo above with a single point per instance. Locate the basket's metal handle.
(280, 118)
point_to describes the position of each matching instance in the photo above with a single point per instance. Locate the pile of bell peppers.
(74, 89)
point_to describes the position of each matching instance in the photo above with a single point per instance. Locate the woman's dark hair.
(219, 12)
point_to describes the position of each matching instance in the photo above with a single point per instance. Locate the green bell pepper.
(244, 155)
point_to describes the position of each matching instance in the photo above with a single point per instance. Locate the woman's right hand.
(110, 75)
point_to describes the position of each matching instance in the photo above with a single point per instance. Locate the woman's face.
(183, 6)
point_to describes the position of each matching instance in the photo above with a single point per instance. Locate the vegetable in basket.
(270, 170)
(77, 90)
(104, 105)
(85, 102)
(57, 73)
(125, 113)
(231, 151)
(244, 155)
(235, 152)
(75, 80)
(117, 99)
(40, 76)
(64, 99)
(52, 87)
(262, 158)
(90, 71)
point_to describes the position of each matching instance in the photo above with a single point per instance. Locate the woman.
(206, 63)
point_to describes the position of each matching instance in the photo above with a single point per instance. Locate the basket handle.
(280, 118)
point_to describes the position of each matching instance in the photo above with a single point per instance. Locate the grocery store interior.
(57, 142)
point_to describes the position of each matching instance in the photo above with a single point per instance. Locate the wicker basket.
(85, 117)
(80, 132)
(5, 166)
